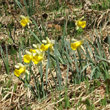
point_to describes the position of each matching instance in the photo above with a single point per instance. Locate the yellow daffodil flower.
(24, 21)
(45, 47)
(76, 44)
(37, 58)
(80, 24)
(28, 57)
(48, 44)
(20, 68)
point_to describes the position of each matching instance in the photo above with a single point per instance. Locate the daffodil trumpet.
(76, 44)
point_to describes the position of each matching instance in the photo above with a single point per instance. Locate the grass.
(66, 79)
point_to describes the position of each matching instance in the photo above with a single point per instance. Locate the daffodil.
(76, 44)
(80, 24)
(27, 57)
(45, 47)
(37, 58)
(47, 44)
(20, 68)
(24, 21)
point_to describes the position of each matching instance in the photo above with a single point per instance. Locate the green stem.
(81, 66)
(35, 81)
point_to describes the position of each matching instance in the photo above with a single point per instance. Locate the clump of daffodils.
(80, 24)
(24, 20)
(35, 55)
